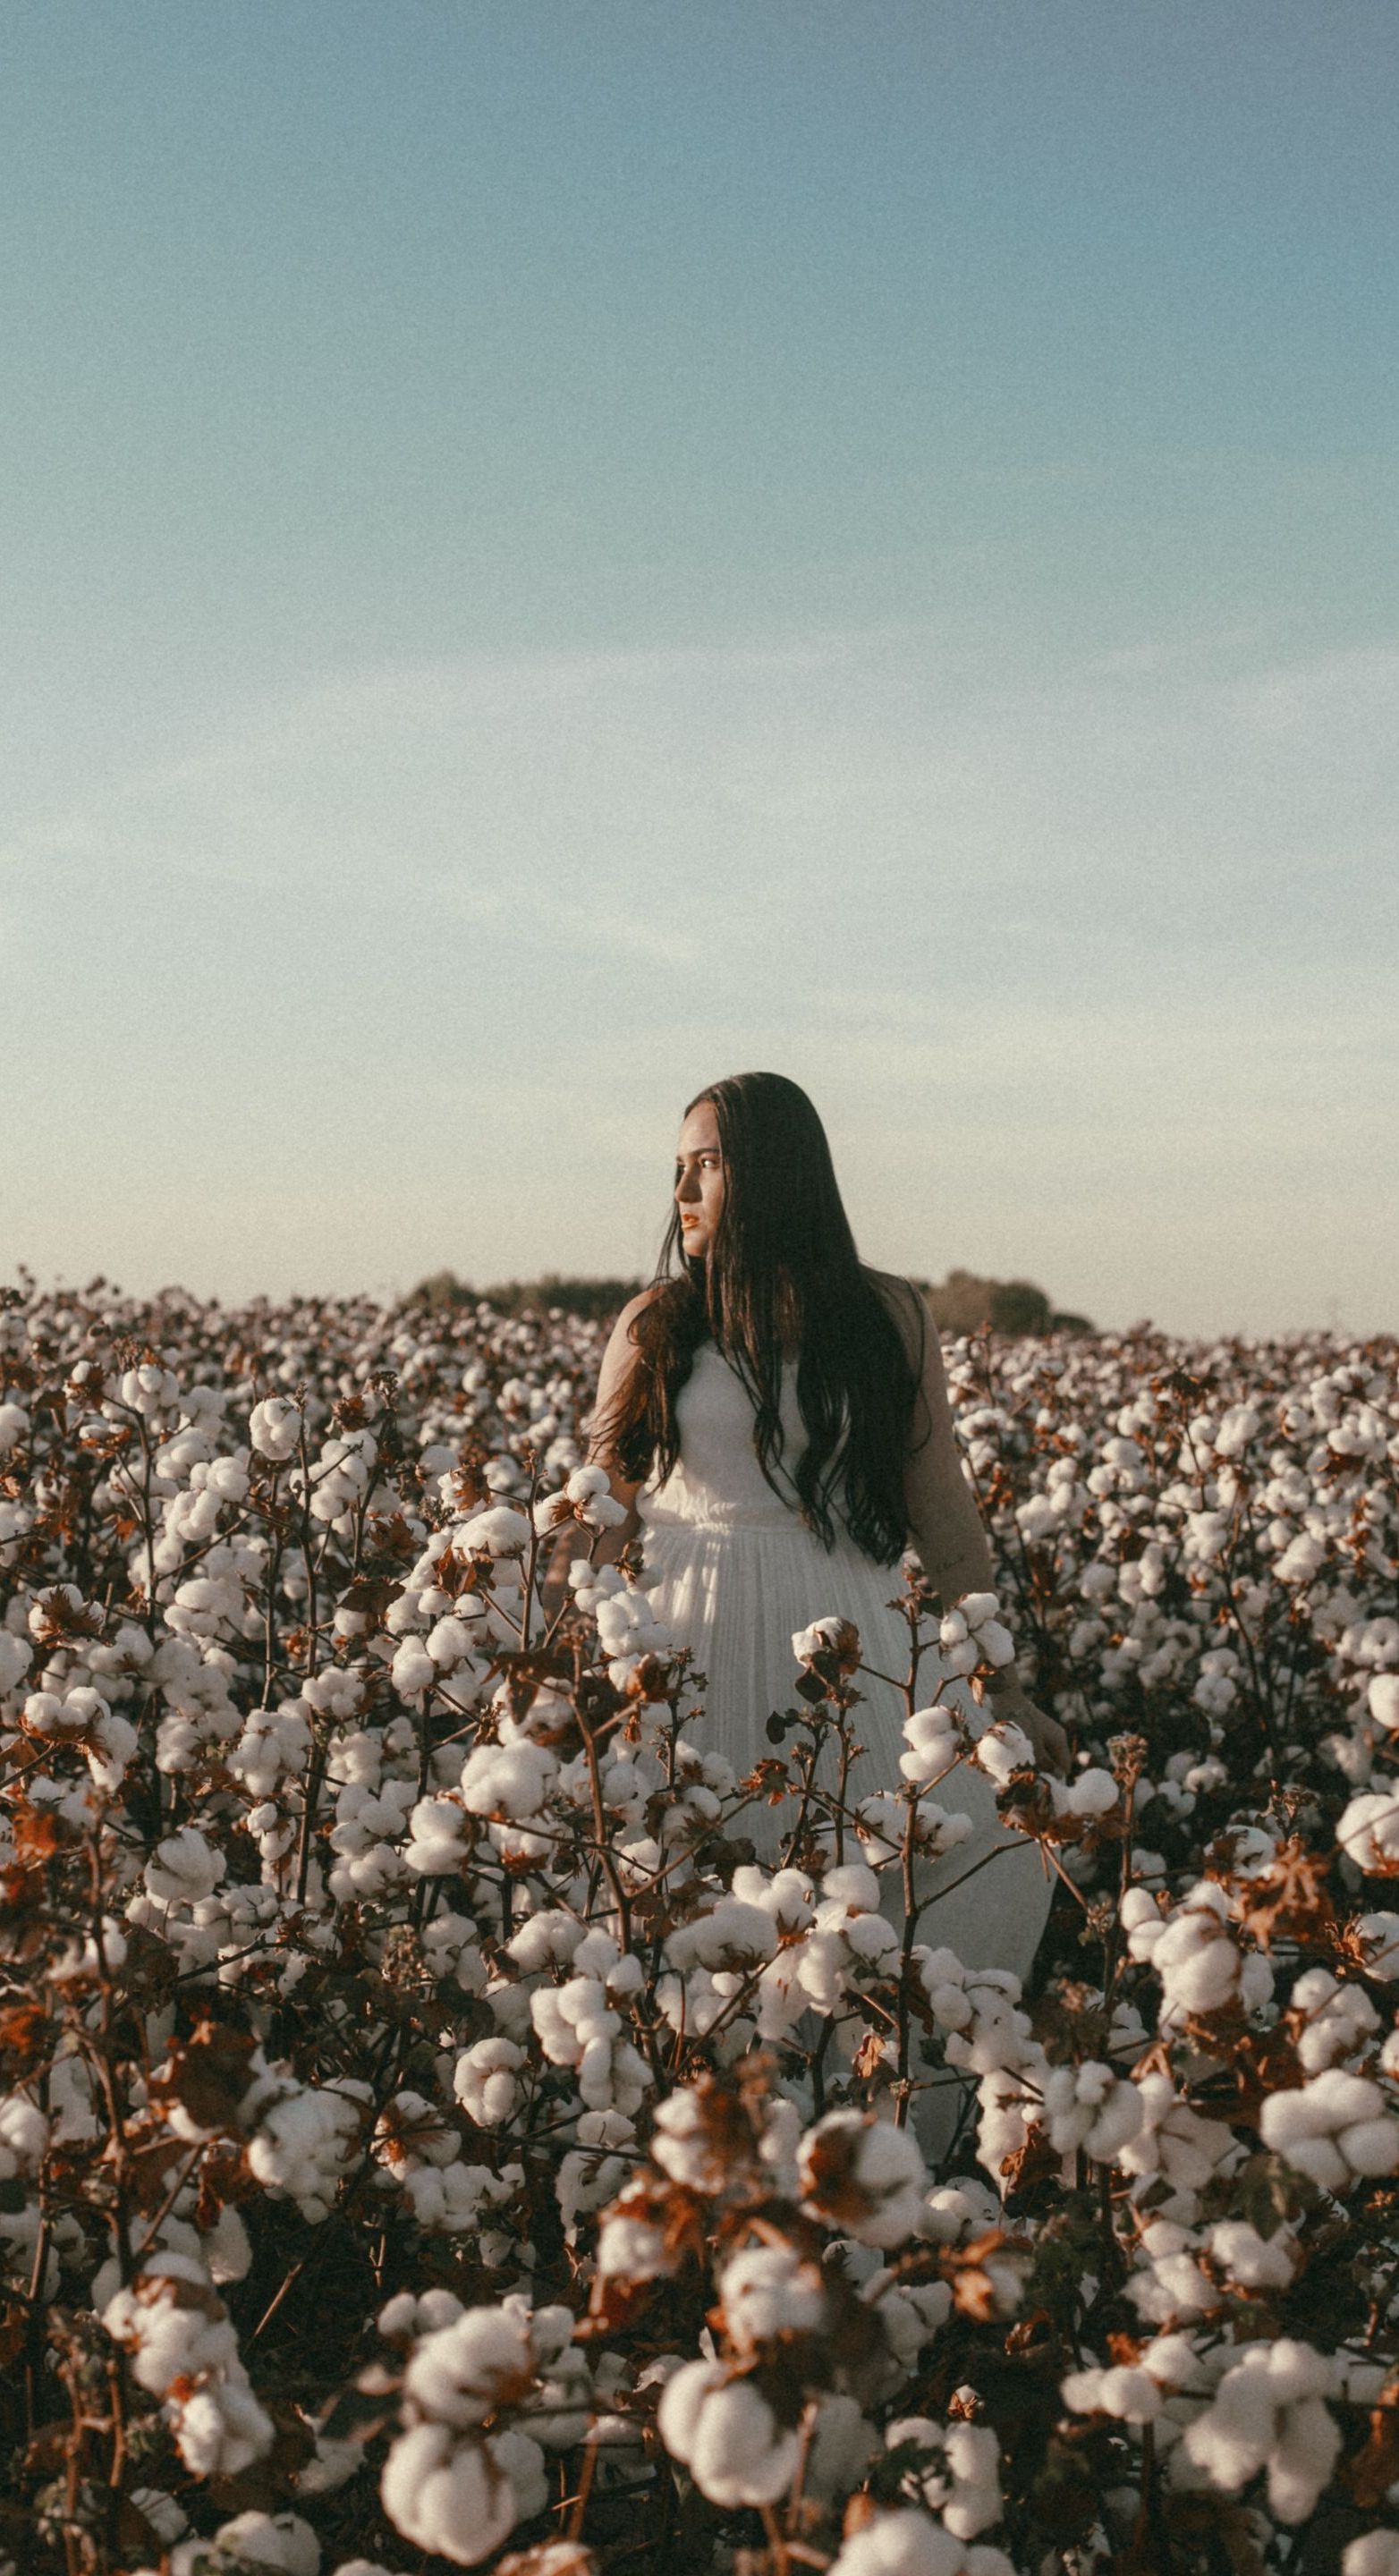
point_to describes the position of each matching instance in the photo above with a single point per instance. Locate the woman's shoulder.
(623, 1354)
(905, 1303)
(623, 1336)
(645, 1297)
(899, 1295)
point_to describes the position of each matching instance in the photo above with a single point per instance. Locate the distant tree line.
(961, 1303)
(589, 1297)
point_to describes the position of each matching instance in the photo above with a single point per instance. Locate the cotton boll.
(577, 2026)
(995, 1645)
(1090, 1793)
(14, 1426)
(186, 2353)
(24, 2137)
(69, 1720)
(548, 1938)
(165, 2516)
(936, 1741)
(303, 2146)
(110, 1746)
(414, 1670)
(588, 2176)
(184, 1868)
(863, 2177)
(832, 1641)
(1129, 2393)
(788, 1896)
(335, 1692)
(1039, 1518)
(437, 1844)
(413, 1611)
(630, 2249)
(467, 2370)
(486, 2081)
(881, 1823)
(272, 1744)
(1174, 2141)
(910, 2543)
(688, 2144)
(280, 2541)
(768, 2291)
(1269, 2411)
(1169, 2284)
(1002, 1749)
(275, 1427)
(730, 1935)
(598, 1509)
(1197, 1959)
(1090, 2107)
(1240, 1425)
(16, 1656)
(499, 1532)
(1337, 2018)
(451, 2199)
(449, 1643)
(1252, 2261)
(1336, 2129)
(1368, 1832)
(449, 2496)
(503, 1474)
(957, 2212)
(1375, 2553)
(1301, 1559)
(979, 2010)
(404, 2316)
(851, 1890)
(411, 2130)
(958, 2475)
(149, 1389)
(225, 2246)
(725, 2433)
(507, 1781)
(1378, 1937)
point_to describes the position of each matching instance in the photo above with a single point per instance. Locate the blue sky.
(553, 552)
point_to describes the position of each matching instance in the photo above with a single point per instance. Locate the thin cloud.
(1078, 963)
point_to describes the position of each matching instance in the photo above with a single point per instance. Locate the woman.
(775, 1421)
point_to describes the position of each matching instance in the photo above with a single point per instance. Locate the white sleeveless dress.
(739, 1572)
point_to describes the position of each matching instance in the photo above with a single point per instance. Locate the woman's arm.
(618, 1360)
(944, 1522)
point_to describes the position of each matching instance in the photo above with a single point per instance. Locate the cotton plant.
(464, 2471)
(184, 2351)
(367, 1929)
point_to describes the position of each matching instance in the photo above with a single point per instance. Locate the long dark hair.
(782, 1266)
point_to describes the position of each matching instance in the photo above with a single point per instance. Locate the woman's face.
(699, 1179)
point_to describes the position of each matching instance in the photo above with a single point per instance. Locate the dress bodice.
(716, 1482)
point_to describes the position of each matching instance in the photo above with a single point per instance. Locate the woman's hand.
(1051, 1746)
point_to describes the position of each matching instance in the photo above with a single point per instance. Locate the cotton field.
(428, 2137)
